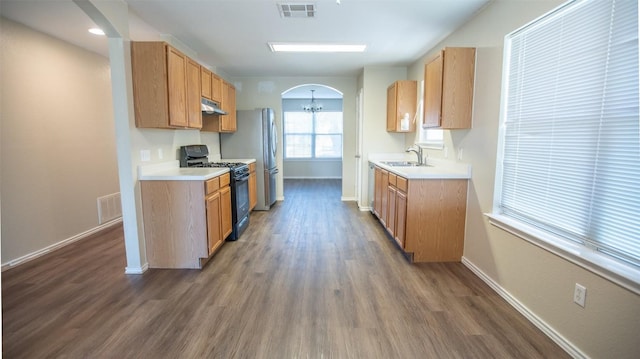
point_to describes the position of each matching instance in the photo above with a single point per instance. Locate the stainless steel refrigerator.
(256, 137)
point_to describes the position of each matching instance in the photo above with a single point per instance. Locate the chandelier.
(313, 106)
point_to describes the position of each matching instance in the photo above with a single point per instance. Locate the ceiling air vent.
(297, 9)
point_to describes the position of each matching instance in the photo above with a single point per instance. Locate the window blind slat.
(570, 161)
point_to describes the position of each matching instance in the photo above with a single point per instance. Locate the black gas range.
(198, 156)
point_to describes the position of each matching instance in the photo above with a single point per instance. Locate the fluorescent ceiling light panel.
(301, 47)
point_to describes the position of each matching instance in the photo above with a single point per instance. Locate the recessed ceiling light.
(96, 31)
(302, 47)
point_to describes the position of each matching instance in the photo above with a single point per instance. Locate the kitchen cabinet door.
(401, 100)
(401, 217)
(229, 103)
(433, 92)
(225, 213)
(377, 194)
(194, 94)
(214, 223)
(391, 213)
(216, 88)
(384, 182)
(177, 79)
(205, 82)
(448, 86)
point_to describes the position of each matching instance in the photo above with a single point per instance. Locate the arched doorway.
(312, 133)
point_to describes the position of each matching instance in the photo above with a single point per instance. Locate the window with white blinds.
(569, 151)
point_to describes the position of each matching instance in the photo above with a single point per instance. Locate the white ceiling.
(232, 35)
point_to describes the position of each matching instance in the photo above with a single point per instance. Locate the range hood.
(210, 108)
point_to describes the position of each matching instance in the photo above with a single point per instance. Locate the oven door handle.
(243, 178)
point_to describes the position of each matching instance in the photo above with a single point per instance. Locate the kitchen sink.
(404, 164)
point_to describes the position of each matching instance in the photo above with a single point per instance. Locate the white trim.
(39, 253)
(616, 271)
(348, 199)
(136, 270)
(565, 344)
(365, 209)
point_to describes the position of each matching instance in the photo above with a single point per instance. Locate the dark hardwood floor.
(312, 278)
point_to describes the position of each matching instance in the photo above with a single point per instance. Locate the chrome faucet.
(417, 151)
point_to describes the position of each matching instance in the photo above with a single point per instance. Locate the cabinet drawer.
(252, 167)
(392, 179)
(212, 185)
(225, 179)
(401, 183)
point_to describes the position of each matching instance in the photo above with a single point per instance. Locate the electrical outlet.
(445, 151)
(580, 295)
(145, 155)
(460, 153)
(160, 154)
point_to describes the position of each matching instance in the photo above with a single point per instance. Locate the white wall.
(608, 326)
(56, 108)
(257, 92)
(312, 169)
(375, 138)
(57, 138)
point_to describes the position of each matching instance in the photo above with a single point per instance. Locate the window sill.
(625, 275)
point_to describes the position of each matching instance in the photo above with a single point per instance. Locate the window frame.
(617, 271)
(313, 135)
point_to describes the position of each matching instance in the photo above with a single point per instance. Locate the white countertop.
(436, 168)
(171, 171)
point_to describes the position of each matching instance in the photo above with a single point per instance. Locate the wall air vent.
(297, 9)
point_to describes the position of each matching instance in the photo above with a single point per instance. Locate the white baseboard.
(347, 199)
(33, 255)
(136, 270)
(365, 209)
(569, 347)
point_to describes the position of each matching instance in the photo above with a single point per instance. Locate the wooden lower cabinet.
(384, 203)
(214, 223)
(401, 218)
(185, 222)
(253, 186)
(377, 196)
(225, 214)
(426, 217)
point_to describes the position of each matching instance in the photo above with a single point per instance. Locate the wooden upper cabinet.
(448, 88)
(177, 80)
(223, 123)
(211, 85)
(401, 101)
(166, 87)
(194, 94)
(205, 81)
(229, 120)
(216, 88)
